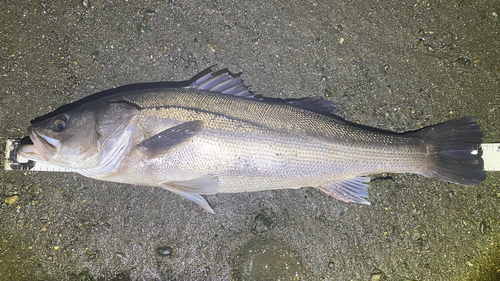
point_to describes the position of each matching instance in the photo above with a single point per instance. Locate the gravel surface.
(395, 65)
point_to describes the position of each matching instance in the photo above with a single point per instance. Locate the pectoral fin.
(191, 189)
(353, 190)
(159, 144)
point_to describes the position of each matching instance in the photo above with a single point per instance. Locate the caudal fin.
(455, 151)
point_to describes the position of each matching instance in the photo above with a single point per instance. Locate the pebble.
(11, 200)
(120, 255)
(164, 251)
(376, 276)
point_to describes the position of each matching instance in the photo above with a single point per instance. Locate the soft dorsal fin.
(316, 104)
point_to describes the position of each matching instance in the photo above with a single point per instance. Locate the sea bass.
(211, 135)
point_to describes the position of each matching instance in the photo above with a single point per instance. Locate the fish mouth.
(43, 148)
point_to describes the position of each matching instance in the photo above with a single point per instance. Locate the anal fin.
(353, 190)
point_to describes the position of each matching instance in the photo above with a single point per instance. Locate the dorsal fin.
(222, 81)
(316, 104)
(225, 82)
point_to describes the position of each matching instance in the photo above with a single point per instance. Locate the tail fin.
(455, 151)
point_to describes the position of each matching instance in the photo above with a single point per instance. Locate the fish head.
(69, 139)
(85, 137)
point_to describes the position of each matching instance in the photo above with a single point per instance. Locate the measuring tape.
(14, 162)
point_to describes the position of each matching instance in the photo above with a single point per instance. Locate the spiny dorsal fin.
(222, 81)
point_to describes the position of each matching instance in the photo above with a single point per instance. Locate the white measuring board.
(13, 162)
(491, 156)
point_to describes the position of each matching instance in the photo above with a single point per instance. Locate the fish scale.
(310, 146)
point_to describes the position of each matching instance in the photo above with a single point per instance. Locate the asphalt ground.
(394, 65)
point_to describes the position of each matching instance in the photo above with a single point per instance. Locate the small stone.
(322, 218)
(191, 58)
(463, 61)
(376, 276)
(484, 226)
(164, 251)
(11, 200)
(56, 248)
(120, 255)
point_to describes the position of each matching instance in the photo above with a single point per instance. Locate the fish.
(211, 134)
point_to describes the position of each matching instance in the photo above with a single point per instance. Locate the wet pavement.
(389, 64)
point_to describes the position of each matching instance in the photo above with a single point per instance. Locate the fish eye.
(60, 123)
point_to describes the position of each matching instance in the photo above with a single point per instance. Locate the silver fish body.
(214, 136)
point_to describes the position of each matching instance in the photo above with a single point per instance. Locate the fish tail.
(454, 149)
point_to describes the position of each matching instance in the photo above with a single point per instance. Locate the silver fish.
(211, 134)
